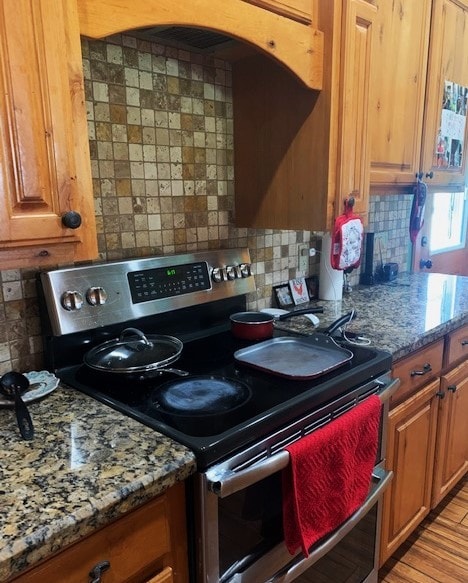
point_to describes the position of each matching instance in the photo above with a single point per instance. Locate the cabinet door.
(44, 156)
(410, 454)
(353, 166)
(445, 130)
(451, 460)
(399, 65)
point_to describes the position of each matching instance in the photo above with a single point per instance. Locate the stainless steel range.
(237, 419)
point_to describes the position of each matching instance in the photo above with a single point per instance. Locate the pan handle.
(340, 322)
(317, 310)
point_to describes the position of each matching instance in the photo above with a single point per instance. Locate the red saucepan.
(259, 325)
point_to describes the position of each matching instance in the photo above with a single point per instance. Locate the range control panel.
(83, 298)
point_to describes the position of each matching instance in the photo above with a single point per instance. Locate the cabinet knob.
(425, 369)
(440, 394)
(71, 220)
(97, 571)
(452, 388)
(419, 175)
(425, 263)
(430, 175)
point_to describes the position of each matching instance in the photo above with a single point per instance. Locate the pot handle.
(135, 332)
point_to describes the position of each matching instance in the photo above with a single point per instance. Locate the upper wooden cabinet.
(300, 10)
(44, 158)
(299, 154)
(296, 45)
(419, 56)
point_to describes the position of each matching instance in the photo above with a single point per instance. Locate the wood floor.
(437, 552)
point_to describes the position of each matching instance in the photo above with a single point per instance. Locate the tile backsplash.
(160, 125)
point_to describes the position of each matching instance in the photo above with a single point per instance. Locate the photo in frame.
(299, 292)
(283, 296)
(312, 284)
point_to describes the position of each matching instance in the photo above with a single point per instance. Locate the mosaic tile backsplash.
(161, 144)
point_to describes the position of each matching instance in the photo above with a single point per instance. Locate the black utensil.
(13, 384)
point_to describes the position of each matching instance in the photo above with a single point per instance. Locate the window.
(448, 221)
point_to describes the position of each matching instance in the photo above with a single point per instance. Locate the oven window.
(250, 524)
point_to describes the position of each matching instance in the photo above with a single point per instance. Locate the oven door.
(242, 538)
(240, 532)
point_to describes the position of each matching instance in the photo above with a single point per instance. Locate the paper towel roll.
(330, 280)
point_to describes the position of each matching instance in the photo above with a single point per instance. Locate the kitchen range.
(152, 338)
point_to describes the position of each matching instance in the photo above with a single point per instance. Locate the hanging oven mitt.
(347, 239)
(417, 209)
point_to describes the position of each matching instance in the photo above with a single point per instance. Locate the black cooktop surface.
(268, 401)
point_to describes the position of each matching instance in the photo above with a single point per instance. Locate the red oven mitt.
(347, 239)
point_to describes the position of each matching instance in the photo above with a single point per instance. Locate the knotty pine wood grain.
(437, 551)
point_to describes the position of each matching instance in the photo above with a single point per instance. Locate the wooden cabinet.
(300, 10)
(410, 454)
(247, 21)
(420, 47)
(44, 157)
(428, 435)
(147, 545)
(299, 154)
(451, 458)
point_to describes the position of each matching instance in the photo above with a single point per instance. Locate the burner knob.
(96, 296)
(217, 274)
(72, 300)
(231, 271)
(245, 269)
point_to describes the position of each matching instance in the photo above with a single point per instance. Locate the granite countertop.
(89, 464)
(399, 316)
(86, 466)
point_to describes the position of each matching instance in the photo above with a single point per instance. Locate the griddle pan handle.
(225, 481)
(340, 322)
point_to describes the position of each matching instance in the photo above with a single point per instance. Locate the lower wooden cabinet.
(451, 457)
(147, 545)
(410, 454)
(427, 447)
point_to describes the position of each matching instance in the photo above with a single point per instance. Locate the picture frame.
(283, 295)
(299, 292)
(312, 283)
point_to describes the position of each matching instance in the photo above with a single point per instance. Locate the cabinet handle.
(98, 570)
(464, 342)
(430, 174)
(452, 388)
(419, 175)
(440, 394)
(425, 369)
(71, 220)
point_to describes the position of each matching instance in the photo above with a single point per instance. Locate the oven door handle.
(224, 481)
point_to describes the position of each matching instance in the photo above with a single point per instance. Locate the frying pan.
(259, 325)
(134, 353)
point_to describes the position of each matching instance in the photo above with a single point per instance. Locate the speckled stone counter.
(400, 316)
(86, 466)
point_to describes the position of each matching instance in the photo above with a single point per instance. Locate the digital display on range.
(167, 282)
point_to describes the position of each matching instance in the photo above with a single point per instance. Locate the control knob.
(72, 300)
(217, 274)
(231, 272)
(245, 269)
(96, 296)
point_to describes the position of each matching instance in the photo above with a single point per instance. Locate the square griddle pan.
(295, 358)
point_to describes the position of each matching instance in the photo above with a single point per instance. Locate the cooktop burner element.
(200, 319)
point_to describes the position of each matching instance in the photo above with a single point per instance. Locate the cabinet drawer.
(131, 545)
(417, 369)
(457, 346)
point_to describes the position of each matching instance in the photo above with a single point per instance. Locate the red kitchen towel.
(329, 475)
